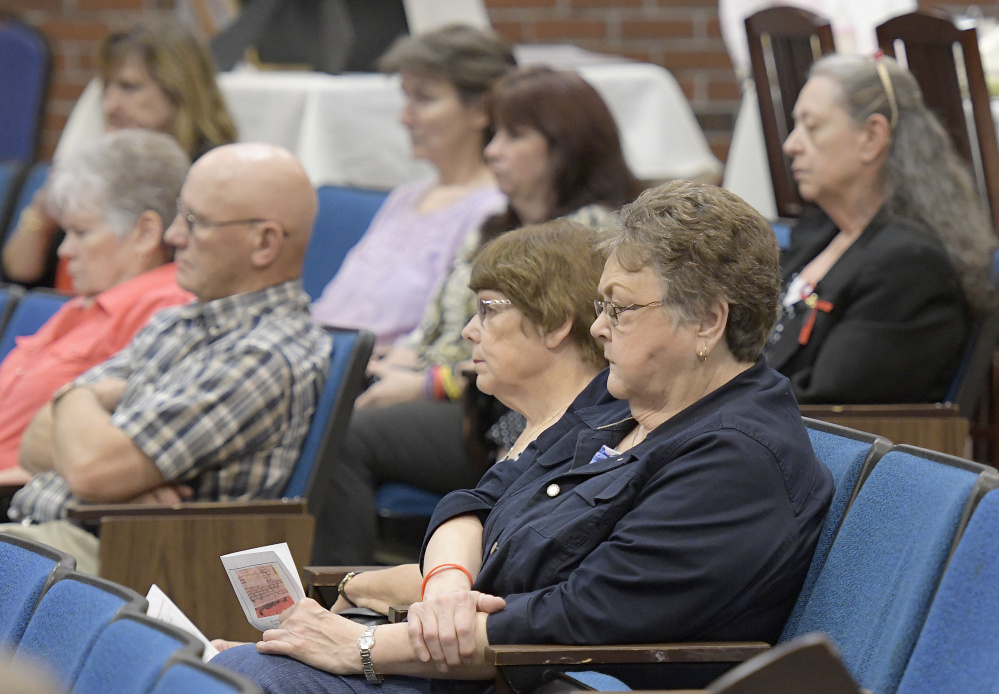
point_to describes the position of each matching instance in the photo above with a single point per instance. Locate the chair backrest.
(850, 456)
(11, 175)
(972, 377)
(930, 39)
(131, 653)
(783, 44)
(874, 590)
(26, 570)
(956, 651)
(70, 616)
(26, 66)
(10, 295)
(30, 314)
(348, 362)
(186, 675)
(344, 215)
(34, 179)
(810, 664)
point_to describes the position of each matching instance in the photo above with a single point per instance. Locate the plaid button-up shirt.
(220, 396)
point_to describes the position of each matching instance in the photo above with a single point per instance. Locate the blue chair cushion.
(956, 651)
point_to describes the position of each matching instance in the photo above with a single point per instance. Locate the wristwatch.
(342, 586)
(366, 643)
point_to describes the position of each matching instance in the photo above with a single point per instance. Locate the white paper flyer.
(266, 582)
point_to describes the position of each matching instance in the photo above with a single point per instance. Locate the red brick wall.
(682, 35)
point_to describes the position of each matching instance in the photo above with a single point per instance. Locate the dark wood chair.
(931, 42)
(783, 44)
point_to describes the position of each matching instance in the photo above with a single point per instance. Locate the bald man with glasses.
(212, 400)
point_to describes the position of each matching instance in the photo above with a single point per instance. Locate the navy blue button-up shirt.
(704, 531)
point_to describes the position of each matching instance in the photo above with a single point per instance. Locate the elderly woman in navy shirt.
(677, 499)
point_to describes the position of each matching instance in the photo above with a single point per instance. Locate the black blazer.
(890, 323)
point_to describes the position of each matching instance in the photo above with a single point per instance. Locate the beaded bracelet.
(423, 586)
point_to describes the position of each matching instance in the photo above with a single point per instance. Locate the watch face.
(366, 641)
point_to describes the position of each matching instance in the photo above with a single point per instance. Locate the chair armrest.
(81, 513)
(708, 652)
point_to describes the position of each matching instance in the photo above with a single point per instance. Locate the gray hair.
(119, 177)
(470, 59)
(927, 183)
(705, 244)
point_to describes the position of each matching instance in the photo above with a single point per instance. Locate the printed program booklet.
(164, 609)
(266, 583)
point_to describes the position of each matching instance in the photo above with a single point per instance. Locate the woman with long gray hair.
(883, 282)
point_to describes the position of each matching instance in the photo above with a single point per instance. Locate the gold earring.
(702, 355)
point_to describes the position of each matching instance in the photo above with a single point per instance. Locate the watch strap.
(368, 637)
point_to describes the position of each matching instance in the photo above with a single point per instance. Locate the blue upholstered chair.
(344, 215)
(11, 175)
(850, 456)
(957, 649)
(30, 314)
(348, 363)
(186, 675)
(70, 616)
(26, 64)
(131, 653)
(26, 569)
(874, 591)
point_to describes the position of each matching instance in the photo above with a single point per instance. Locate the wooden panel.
(940, 430)
(181, 555)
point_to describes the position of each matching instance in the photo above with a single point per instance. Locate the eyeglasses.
(192, 219)
(614, 311)
(488, 307)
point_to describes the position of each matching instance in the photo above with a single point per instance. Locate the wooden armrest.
(938, 409)
(91, 512)
(724, 652)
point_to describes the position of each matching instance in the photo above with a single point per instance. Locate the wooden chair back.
(783, 44)
(943, 57)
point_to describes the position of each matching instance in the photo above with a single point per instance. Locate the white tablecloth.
(345, 128)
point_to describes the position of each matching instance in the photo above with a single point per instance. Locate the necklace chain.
(519, 448)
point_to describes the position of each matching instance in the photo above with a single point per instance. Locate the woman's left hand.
(313, 635)
(442, 628)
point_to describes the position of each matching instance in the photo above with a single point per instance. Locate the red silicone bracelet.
(462, 569)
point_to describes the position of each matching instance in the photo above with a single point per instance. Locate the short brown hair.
(705, 244)
(470, 59)
(184, 70)
(550, 272)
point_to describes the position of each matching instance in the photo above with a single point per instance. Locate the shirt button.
(553, 490)
(494, 547)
